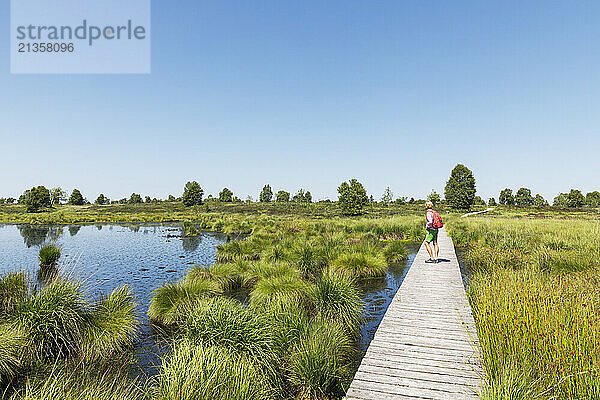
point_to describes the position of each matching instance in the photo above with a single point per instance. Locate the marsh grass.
(13, 291)
(200, 372)
(49, 255)
(395, 251)
(112, 326)
(80, 382)
(319, 365)
(334, 297)
(361, 264)
(535, 295)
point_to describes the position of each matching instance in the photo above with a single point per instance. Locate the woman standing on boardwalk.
(434, 222)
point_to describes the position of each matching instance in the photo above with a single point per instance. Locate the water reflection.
(74, 229)
(190, 243)
(36, 235)
(47, 274)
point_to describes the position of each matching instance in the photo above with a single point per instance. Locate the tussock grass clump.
(54, 320)
(226, 322)
(288, 320)
(49, 255)
(200, 372)
(395, 252)
(13, 291)
(263, 270)
(238, 250)
(319, 365)
(189, 229)
(335, 297)
(112, 326)
(277, 289)
(361, 265)
(172, 302)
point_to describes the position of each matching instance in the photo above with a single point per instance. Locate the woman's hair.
(428, 205)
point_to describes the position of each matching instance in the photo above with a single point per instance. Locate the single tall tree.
(387, 197)
(76, 198)
(57, 196)
(192, 194)
(352, 197)
(576, 198)
(460, 188)
(561, 200)
(36, 198)
(506, 197)
(524, 197)
(434, 197)
(539, 201)
(226, 196)
(592, 199)
(282, 196)
(266, 195)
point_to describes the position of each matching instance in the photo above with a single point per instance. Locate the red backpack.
(437, 220)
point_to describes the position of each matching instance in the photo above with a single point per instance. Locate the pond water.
(106, 257)
(144, 256)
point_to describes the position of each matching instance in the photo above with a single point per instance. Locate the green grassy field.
(536, 299)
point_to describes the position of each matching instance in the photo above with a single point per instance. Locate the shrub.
(49, 255)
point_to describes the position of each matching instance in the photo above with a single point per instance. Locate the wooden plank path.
(426, 346)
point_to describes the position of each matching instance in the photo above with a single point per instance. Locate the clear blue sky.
(310, 93)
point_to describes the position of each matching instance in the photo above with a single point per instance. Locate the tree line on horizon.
(459, 193)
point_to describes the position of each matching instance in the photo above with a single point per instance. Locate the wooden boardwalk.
(426, 346)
